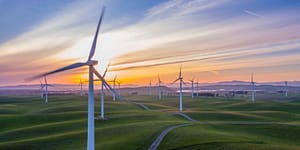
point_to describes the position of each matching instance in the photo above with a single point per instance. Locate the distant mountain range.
(223, 83)
(234, 82)
(34, 89)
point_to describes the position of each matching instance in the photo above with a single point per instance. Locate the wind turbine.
(81, 91)
(114, 81)
(192, 87)
(159, 88)
(197, 86)
(180, 78)
(46, 89)
(42, 89)
(150, 86)
(119, 87)
(90, 63)
(252, 88)
(102, 95)
(286, 88)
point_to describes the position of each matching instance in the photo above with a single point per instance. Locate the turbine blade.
(175, 81)
(106, 70)
(105, 83)
(115, 78)
(92, 52)
(45, 80)
(73, 66)
(180, 71)
(158, 78)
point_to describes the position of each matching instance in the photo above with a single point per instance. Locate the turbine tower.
(90, 63)
(159, 87)
(180, 78)
(286, 88)
(42, 90)
(114, 81)
(150, 86)
(192, 81)
(252, 89)
(197, 86)
(81, 92)
(114, 96)
(119, 88)
(46, 90)
(102, 95)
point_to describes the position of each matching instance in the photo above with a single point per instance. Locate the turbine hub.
(92, 62)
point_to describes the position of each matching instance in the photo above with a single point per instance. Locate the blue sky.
(214, 40)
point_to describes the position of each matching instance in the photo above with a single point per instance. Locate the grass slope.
(28, 123)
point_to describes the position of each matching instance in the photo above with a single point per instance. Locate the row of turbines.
(181, 82)
(104, 84)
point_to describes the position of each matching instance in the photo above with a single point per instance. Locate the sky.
(213, 40)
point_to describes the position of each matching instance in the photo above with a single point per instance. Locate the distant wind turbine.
(252, 89)
(42, 89)
(192, 81)
(119, 87)
(46, 89)
(286, 88)
(180, 78)
(102, 96)
(81, 91)
(114, 85)
(150, 88)
(90, 63)
(197, 86)
(159, 87)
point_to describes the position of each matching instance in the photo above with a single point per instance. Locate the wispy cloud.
(176, 31)
(182, 7)
(253, 13)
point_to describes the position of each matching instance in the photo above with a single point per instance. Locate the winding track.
(157, 141)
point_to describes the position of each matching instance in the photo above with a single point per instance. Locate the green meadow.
(224, 123)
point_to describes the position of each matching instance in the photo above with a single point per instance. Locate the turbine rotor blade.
(180, 71)
(115, 78)
(92, 52)
(106, 70)
(105, 83)
(73, 66)
(45, 80)
(175, 80)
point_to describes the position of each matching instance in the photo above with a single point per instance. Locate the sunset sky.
(214, 40)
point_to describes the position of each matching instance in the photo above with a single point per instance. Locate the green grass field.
(28, 123)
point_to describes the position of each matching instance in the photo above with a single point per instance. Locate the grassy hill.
(28, 123)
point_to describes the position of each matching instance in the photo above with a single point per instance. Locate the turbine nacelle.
(92, 62)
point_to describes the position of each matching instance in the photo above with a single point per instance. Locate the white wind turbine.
(159, 88)
(252, 89)
(46, 89)
(150, 87)
(192, 81)
(42, 89)
(102, 96)
(197, 87)
(90, 63)
(114, 85)
(119, 87)
(81, 90)
(180, 78)
(286, 88)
